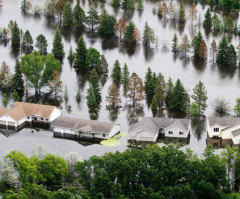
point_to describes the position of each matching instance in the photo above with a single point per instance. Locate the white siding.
(142, 134)
(115, 130)
(55, 114)
(176, 130)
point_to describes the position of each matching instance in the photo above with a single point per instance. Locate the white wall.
(114, 131)
(55, 114)
(141, 134)
(176, 129)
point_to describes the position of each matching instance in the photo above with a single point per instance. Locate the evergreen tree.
(94, 81)
(140, 5)
(78, 15)
(17, 79)
(67, 15)
(148, 35)
(222, 55)
(92, 58)
(237, 107)
(80, 55)
(78, 97)
(160, 90)
(147, 81)
(207, 23)
(102, 66)
(193, 110)
(116, 74)
(175, 43)
(185, 45)
(154, 104)
(200, 96)
(27, 42)
(91, 99)
(41, 44)
(71, 56)
(58, 48)
(106, 23)
(125, 77)
(25, 6)
(232, 56)
(203, 50)
(15, 36)
(116, 3)
(179, 99)
(113, 95)
(129, 33)
(181, 14)
(15, 96)
(213, 50)
(196, 44)
(92, 18)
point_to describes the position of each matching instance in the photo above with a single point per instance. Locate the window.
(41, 118)
(170, 132)
(46, 119)
(181, 133)
(215, 144)
(104, 135)
(28, 117)
(216, 129)
(215, 137)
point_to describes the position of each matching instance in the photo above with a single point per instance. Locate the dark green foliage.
(41, 44)
(175, 43)
(106, 23)
(15, 36)
(207, 23)
(223, 48)
(67, 15)
(154, 104)
(91, 99)
(15, 96)
(116, 3)
(150, 84)
(232, 56)
(181, 14)
(179, 99)
(128, 4)
(125, 77)
(78, 15)
(94, 81)
(117, 74)
(27, 43)
(80, 55)
(128, 35)
(148, 35)
(58, 48)
(92, 18)
(160, 90)
(25, 5)
(169, 89)
(92, 58)
(17, 79)
(196, 44)
(102, 66)
(71, 56)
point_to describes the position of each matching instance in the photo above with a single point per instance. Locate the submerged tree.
(15, 36)
(41, 44)
(185, 45)
(221, 107)
(117, 74)
(92, 58)
(125, 77)
(92, 18)
(94, 81)
(213, 50)
(203, 51)
(120, 27)
(148, 35)
(193, 13)
(17, 79)
(58, 47)
(67, 15)
(113, 96)
(175, 43)
(91, 99)
(106, 23)
(55, 84)
(27, 43)
(71, 56)
(78, 15)
(207, 23)
(80, 55)
(25, 6)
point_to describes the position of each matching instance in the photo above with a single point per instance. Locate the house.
(80, 129)
(223, 131)
(149, 129)
(21, 113)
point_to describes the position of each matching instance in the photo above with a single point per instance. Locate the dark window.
(28, 117)
(41, 118)
(180, 133)
(215, 144)
(170, 132)
(104, 135)
(46, 119)
(216, 129)
(215, 137)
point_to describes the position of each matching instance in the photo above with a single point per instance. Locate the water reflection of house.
(223, 131)
(22, 113)
(80, 129)
(149, 129)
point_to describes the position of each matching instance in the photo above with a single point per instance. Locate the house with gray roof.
(80, 129)
(223, 131)
(149, 128)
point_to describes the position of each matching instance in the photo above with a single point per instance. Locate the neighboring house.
(223, 131)
(21, 113)
(148, 129)
(80, 129)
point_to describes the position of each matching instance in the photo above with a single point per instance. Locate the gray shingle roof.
(154, 124)
(224, 121)
(84, 125)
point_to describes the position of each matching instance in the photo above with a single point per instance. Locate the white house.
(148, 129)
(80, 129)
(223, 131)
(22, 113)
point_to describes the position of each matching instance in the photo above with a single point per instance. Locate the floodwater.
(218, 81)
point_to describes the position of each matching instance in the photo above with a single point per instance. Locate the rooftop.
(224, 121)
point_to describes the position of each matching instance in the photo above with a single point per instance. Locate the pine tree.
(58, 48)
(131, 4)
(41, 44)
(203, 50)
(232, 56)
(17, 79)
(78, 15)
(125, 77)
(169, 89)
(181, 14)
(27, 43)
(200, 96)
(237, 107)
(15, 36)
(92, 58)
(116, 3)
(196, 44)
(222, 56)
(71, 56)
(25, 6)
(102, 66)
(148, 35)
(160, 90)
(207, 23)
(192, 13)
(116, 74)
(113, 95)
(92, 18)
(67, 15)
(106, 23)
(154, 104)
(128, 36)
(213, 50)
(175, 43)
(91, 99)
(15, 96)
(148, 78)
(185, 45)
(78, 97)
(140, 5)
(94, 81)
(80, 56)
